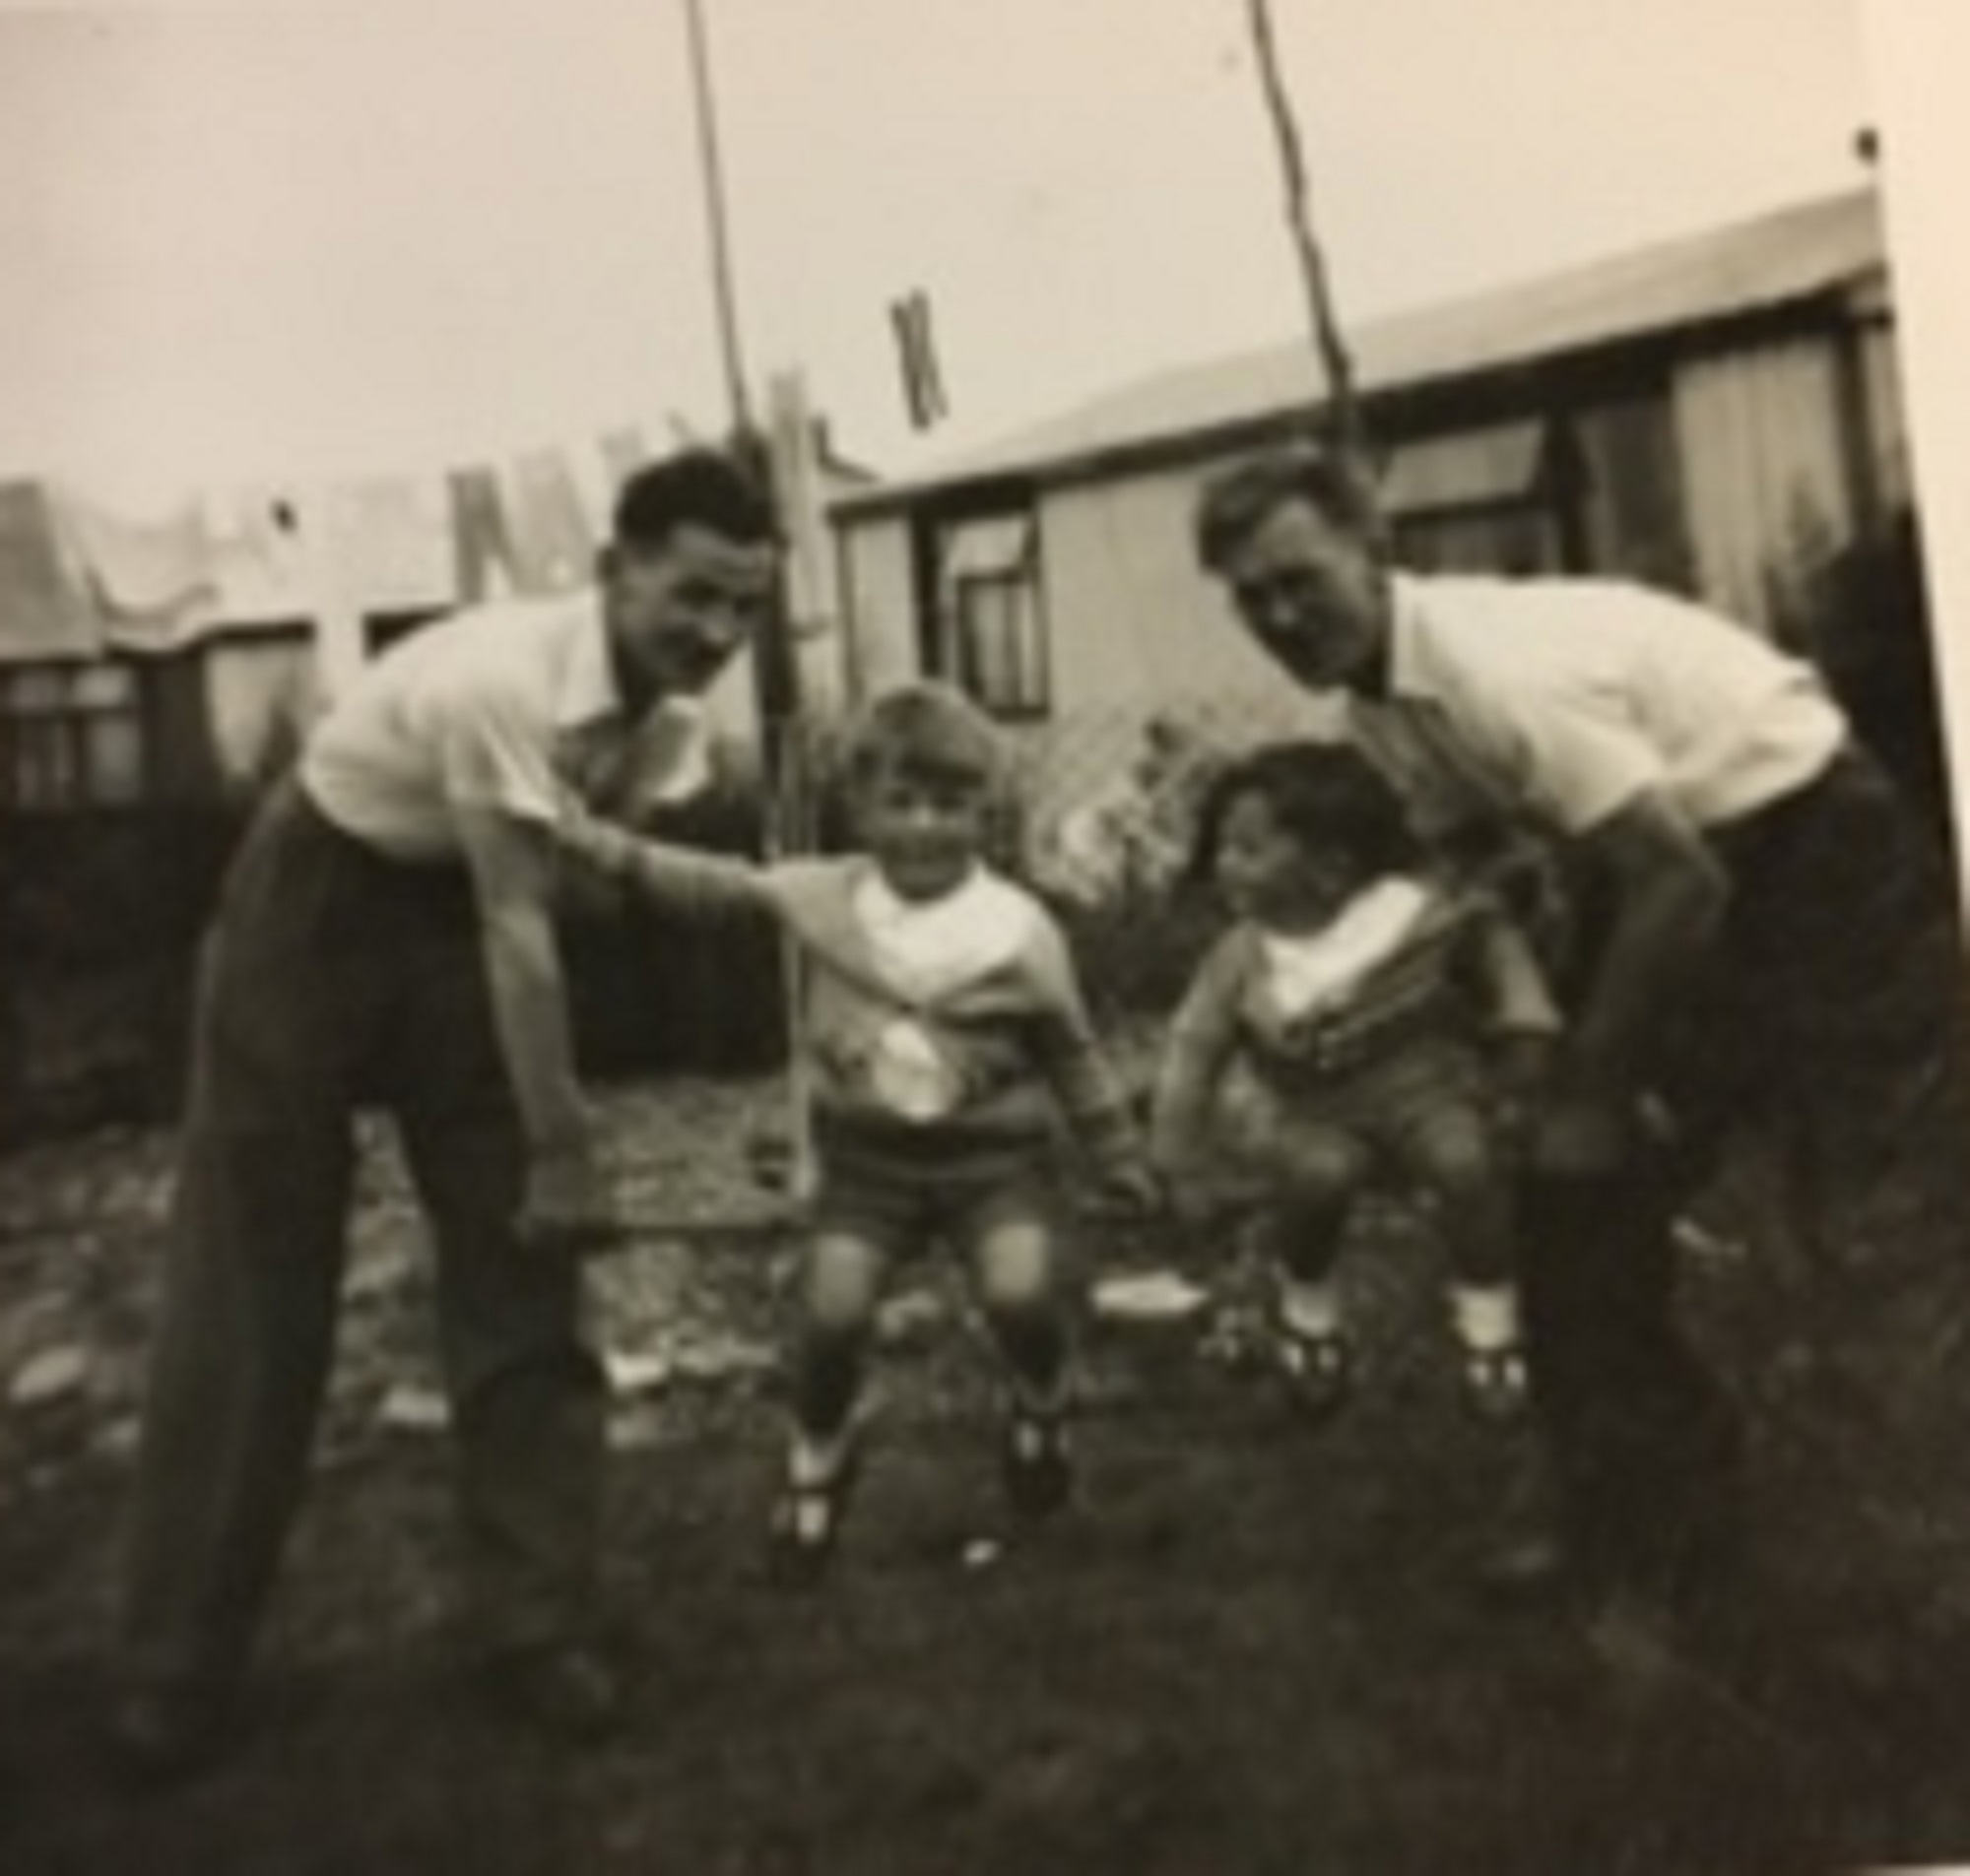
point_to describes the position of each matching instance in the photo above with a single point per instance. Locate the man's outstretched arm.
(1669, 895)
(511, 861)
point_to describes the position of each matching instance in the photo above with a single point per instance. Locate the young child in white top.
(1376, 1015)
(946, 1036)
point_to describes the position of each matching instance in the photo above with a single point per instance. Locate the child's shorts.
(1394, 1106)
(904, 1198)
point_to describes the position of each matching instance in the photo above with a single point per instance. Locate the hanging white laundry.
(148, 561)
(624, 450)
(260, 562)
(553, 547)
(482, 543)
(391, 539)
(45, 608)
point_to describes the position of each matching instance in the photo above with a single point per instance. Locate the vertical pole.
(1343, 408)
(775, 669)
(717, 228)
(340, 650)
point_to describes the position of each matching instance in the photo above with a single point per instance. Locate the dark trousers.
(1833, 1000)
(332, 978)
(1642, 1441)
(1834, 1008)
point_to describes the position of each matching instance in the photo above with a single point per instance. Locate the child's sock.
(1310, 1307)
(1486, 1316)
(817, 1459)
(817, 1470)
(1038, 1461)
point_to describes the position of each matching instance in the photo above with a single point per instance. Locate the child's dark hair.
(1326, 795)
(926, 733)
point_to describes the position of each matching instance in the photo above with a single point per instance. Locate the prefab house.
(1717, 414)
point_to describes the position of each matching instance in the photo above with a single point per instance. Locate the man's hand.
(1131, 1190)
(1669, 895)
(569, 1207)
(512, 867)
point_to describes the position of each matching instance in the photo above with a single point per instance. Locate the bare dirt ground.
(1248, 1648)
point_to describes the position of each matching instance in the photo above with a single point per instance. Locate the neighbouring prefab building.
(1718, 414)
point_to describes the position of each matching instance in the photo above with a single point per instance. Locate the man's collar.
(1404, 672)
(589, 691)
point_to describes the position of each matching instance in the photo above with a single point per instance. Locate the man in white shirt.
(386, 935)
(1751, 931)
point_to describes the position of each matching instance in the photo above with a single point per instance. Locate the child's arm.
(1085, 1081)
(1511, 980)
(674, 879)
(1525, 1021)
(1202, 1038)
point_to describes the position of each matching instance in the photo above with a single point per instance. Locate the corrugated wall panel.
(1766, 475)
(880, 607)
(1133, 616)
(1632, 513)
(1138, 629)
(1887, 421)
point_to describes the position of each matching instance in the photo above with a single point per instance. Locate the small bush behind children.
(947, 1036)
(1373, 1015)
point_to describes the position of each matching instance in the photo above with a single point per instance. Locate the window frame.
(989, 585)
(1519, 477)
(56, 717)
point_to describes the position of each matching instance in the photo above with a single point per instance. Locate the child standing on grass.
(947, 1035)
(1378, 1015)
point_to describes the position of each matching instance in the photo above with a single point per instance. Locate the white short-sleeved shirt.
(1559, 701)
(508, 707)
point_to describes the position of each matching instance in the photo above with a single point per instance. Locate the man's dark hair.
(1328, 796)
(1235, 502)
(701, 486)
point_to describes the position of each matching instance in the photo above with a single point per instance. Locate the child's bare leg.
(1454, 1156)
(1316, 1175)
(1015, 1262)
(840, 1281)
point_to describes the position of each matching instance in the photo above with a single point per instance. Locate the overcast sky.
(289, 238)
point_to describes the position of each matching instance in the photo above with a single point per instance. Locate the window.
(70, 736)
(1631, 496)
(1483, 502)
(1512, 542)
(993, 642)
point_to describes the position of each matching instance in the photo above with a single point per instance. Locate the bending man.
(386, 935)
(1752, 930)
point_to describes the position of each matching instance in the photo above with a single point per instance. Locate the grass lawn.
(1249, 1648)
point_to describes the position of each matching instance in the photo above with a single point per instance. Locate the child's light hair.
(929, 732)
